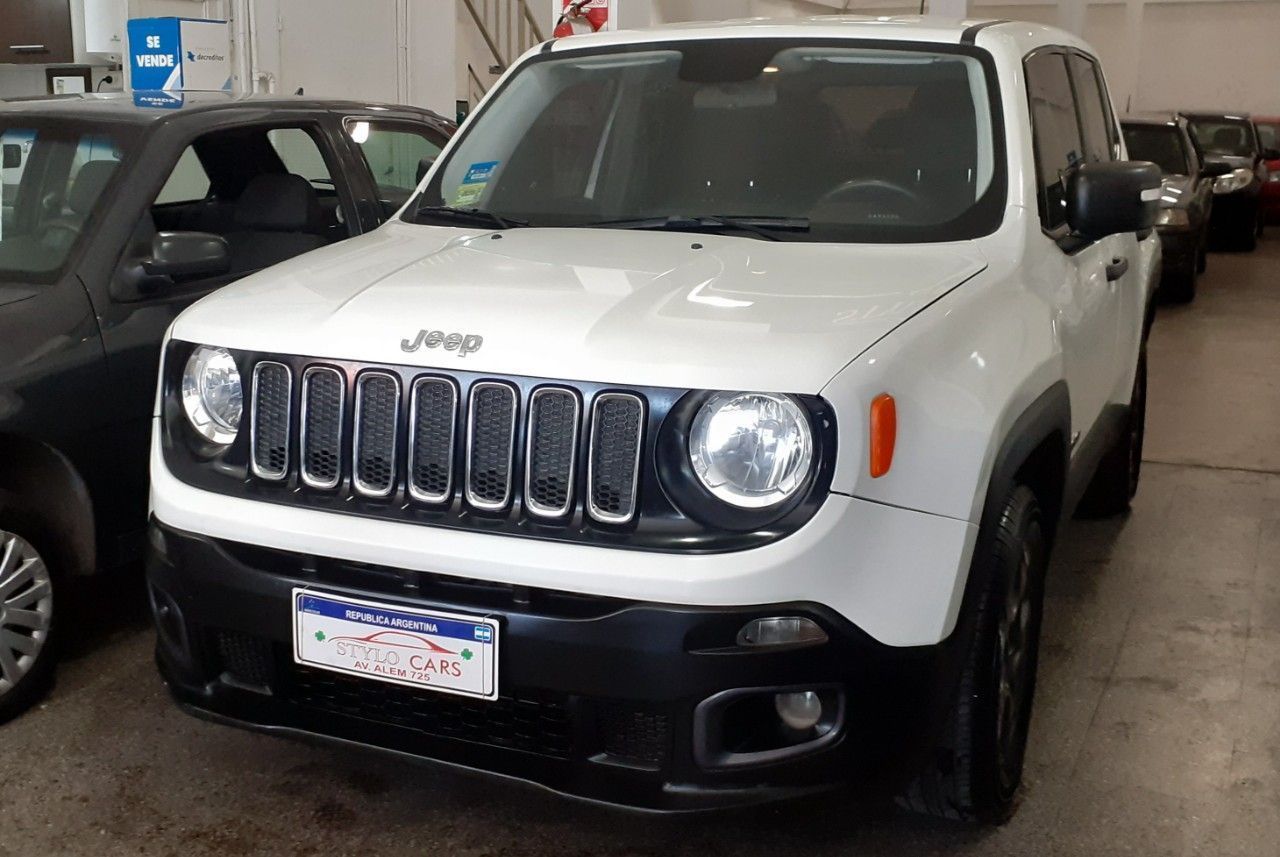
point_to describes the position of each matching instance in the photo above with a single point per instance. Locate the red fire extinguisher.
(582, 16)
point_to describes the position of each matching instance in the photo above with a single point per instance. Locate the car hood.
(626, 307)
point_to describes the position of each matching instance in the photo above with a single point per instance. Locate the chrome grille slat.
(433, 422)
(551, 451)
(491, 434)
(269, 423)
(320, 430)
(613, 459)
(373, 445)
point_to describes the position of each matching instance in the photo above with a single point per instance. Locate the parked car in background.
(114, 216)
(1232, 140)
(1269, 134)
(697, 435)
(1186, 197)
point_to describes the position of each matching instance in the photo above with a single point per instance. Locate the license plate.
(444, 652)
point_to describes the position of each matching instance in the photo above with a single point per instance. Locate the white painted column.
(1072, 15)
(432, 56)
(947, 8)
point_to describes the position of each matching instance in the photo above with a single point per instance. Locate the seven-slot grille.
(456, 441)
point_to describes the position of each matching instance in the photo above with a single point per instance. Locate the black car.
(118, 212)
(1230, 141)
(1186, 199)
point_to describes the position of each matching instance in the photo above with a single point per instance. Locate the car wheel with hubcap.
(26, 620)
(976, 769)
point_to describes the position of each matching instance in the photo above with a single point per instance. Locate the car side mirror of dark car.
(187, 254)
(1214, 168)
(424, 167)
(1110, 198)
(12, 158)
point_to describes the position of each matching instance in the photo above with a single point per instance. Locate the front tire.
(976, 769)
(1180, 288)
(27, 583)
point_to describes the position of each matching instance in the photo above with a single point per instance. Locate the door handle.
(31, 48)
(1118, 268)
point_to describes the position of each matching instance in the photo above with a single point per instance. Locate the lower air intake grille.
(633, 735)
(270, 429)
(245, 659)
(614, 460)
(541, 726)
(377, 410)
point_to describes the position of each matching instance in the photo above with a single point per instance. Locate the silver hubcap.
(26, 608)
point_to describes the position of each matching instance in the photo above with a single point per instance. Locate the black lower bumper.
(643, 705)
(1179, 250)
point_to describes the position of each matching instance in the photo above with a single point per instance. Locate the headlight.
(1172, 217)
(1233, 181)
(751, 450)
(211, 394)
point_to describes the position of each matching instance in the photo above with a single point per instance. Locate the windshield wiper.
(759, 225)
(470, 215)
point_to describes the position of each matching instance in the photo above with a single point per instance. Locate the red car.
(1269, 133)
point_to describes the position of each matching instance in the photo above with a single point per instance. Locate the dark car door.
(215, 174)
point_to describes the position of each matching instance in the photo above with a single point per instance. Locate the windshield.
(778, 139)
(1224, 136)
(50, 183)
(1160, 144)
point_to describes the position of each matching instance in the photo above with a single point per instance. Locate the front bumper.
(623, 702)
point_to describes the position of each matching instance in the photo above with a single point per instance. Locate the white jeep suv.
(697, 434)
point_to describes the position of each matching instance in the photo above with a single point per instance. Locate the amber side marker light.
(884, 432)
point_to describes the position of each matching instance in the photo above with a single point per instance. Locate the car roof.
(1152, 118)
(903, 28)
(151, 107)
(1238, 115)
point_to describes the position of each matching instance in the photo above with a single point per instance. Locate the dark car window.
(1056, 129)
(1095, 112)
(1269, 133)
(843, 143)
(1224, 136)
(1163, 145)
(46, 200)
(397, 155)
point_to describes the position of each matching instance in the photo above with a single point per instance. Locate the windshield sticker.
(474, 183)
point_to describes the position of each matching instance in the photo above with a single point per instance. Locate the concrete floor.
(1157, 726)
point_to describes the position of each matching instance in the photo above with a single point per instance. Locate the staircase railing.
(508, 27)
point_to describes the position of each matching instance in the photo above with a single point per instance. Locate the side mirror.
(1214, 168)
(1109, 198)
(12, 156)
(424, 166)
(187, 254)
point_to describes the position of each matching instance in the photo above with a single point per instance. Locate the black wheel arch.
(43, 483)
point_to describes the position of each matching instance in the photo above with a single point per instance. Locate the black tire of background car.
(33, 686)
(977, 769)
(1250, 231)
(1202, 254)
(1180, 288)
(1115, 482)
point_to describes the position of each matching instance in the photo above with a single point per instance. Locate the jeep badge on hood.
(464, 344)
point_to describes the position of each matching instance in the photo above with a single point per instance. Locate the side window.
(187, 183)
(1056, 130)
(397, 156)
(300, 155)
(1095, 114)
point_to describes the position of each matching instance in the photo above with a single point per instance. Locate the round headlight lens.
(211, 394)
(751, 450)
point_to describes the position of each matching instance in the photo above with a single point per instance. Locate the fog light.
(800, 711)
(781, 631)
